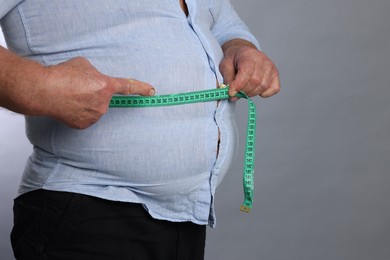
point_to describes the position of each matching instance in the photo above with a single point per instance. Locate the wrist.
(237, 43)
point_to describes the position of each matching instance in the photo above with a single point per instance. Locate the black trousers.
(67, 226)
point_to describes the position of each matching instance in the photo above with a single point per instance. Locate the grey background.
(323, 151)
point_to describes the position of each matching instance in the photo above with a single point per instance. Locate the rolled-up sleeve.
(228, 25)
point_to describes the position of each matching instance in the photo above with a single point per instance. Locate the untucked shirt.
(165, 158)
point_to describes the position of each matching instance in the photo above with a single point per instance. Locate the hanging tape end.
(245, 208)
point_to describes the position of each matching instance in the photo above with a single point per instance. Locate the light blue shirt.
(165, 158)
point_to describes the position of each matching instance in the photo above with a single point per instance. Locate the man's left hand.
(249, 70)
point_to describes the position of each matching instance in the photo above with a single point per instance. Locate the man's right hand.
(80, 95)
(73, 92)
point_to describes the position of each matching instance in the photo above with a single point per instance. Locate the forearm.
(73, 92)
(20, 83)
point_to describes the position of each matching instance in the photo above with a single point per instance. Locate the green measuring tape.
(205, 96)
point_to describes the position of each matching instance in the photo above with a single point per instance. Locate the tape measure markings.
(206, 96)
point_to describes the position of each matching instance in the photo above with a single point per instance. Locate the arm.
(244, 67)
(73, 92)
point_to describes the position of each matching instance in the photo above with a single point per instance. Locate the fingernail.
(233, 93)
(151, 92)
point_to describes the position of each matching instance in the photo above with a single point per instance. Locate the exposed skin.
(183, 6)
(247, 69)
(75, 93)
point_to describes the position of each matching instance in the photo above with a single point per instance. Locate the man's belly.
(133, 150)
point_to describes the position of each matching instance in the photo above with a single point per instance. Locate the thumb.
(227, 70)
(133, 86)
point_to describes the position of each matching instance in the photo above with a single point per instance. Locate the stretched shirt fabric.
(165, 158)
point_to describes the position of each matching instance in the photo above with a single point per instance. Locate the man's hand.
(80, 95)
(73, 92)
(247, 69)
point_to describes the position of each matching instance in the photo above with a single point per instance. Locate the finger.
(273, 89)
(256, 84)
(244, 74)
(262, 81)
(253, 91)
(133, 86)
(227, 70)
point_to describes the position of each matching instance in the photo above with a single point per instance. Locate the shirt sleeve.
(8, 5)
(228, 25)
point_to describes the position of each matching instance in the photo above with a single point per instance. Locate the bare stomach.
(183, 6)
